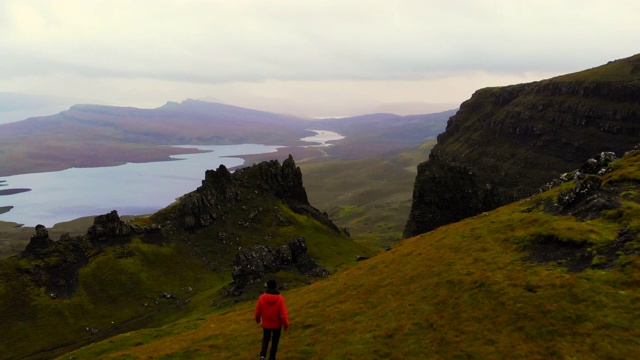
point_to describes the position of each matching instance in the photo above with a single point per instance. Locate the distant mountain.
(505, 142)
(99, 135)
(411, 108)
(379, 134)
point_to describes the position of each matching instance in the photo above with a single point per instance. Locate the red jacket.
(273, 311)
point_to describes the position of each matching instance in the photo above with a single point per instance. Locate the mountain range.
(98, 135)
(385, 147)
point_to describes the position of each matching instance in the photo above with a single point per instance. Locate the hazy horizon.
(312, 58)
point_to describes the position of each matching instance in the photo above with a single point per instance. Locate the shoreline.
(7, 192)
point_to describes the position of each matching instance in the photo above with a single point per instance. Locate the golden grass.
(461, 291)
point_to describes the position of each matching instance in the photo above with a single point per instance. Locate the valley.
(468, 289)
(521, 234)
(137, 188)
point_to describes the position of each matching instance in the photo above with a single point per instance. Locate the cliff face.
(504, 143)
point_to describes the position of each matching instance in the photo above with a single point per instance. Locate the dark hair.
(271, 284)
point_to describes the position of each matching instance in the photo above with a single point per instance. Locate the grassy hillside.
(371, 197)
(485, 287)
(619, 70)
(152, 279)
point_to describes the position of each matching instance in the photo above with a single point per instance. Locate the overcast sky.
(315, 58)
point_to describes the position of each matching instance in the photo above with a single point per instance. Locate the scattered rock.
(581, 190)
(252, 264)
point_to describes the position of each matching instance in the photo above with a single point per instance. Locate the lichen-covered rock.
(109, 225)
(582, 189)
(253, 264)
(599, 164)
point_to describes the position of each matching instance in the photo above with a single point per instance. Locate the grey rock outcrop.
(109, 225)
(253, 264)
(222, 190)
(586, 200)
(39, 241)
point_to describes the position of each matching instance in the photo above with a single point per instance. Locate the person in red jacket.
(272, 311)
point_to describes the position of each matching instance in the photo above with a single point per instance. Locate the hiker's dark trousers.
(266, 337)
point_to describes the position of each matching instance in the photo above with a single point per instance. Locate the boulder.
(109, 225)
(39, 241)
(251, 265)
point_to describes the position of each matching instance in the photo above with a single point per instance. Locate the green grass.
(463, 290)
(370, 197)
(112, 292)
(619, 70)
(119, 293)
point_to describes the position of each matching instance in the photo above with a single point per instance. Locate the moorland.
(522, 242)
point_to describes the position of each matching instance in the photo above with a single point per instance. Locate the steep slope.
(498, 285)
(504, 143)
(212, 248)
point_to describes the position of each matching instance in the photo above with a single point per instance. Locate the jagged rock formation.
(39, 241)
(252, 264)
(586, 200)
(221, 191)
(159, 263)
(109, 225)
(504, 143)
(58, 262)
(224, 198)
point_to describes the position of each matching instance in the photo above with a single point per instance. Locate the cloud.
(261, 41)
